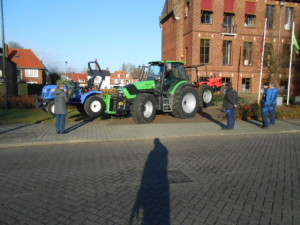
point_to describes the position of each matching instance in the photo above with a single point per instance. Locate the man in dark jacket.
(230, 104)
(60, 110)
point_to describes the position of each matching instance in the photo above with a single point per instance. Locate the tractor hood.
(131, 90)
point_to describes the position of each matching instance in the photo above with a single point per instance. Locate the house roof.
(78, 76)
(25, 58)
(122, 75)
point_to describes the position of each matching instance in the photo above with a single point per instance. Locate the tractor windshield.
(155, 72)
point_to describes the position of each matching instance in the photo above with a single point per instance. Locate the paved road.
(218, 179)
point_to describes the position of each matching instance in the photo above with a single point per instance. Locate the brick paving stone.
(235, 179)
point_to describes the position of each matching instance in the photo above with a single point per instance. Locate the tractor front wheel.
(50, 108)
(186, 103)
(143, 109)
(205, 93)
(94, 106)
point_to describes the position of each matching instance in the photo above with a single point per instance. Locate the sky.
(80, 31)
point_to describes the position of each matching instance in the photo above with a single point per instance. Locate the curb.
(92, 140)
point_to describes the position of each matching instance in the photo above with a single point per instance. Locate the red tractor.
(206, 86)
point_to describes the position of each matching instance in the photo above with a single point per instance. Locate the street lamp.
(3, 58)
(66, 67)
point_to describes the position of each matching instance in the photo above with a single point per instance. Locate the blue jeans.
(60, 123)
(266, 113)
(230, 114)
(272, 114)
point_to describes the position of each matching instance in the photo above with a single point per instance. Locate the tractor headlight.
(121, 93)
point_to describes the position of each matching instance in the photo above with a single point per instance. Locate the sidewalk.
(44, 134)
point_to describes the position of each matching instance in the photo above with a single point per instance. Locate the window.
(248, 52)
(205, 51)
(31, 73)
(206, 17)
(289, 15)
(246, 85)
(19, 75)
(268, 55)
(186, 54)
(119, 75)
(186, 10)
(228, 23)
(227, 49)
(286, 60)
(250, 11)
(228, 20)
(270, 15)
(250, 20)
(226, 79)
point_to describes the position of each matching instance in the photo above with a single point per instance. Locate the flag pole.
(290, 67)
(262, 60)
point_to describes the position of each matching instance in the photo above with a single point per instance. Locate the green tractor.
(164, 86)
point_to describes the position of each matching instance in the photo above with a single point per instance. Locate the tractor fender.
(85, 96)
(180, 85)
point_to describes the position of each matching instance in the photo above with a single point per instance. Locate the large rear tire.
(205, 93)
(143, 109)
(94, 106)
(186, 103)
(50, 108)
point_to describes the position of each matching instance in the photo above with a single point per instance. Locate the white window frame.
(31, 73)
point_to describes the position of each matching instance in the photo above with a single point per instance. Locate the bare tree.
(14, 44)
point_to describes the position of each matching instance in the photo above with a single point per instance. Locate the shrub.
(21, 102)
(248, 111)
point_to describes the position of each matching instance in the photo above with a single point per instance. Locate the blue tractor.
(86, 100)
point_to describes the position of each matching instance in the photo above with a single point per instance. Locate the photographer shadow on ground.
(153, 197)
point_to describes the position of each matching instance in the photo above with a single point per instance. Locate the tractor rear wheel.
(205, 93)
(143, 109)
(50, 108)
(186, 103)
(94, 106)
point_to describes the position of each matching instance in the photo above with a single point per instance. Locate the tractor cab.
(166, 74)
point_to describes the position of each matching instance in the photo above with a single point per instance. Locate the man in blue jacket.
(274, 103)
(266, 105)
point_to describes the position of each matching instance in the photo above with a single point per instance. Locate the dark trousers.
(230, 114)
(60, 123)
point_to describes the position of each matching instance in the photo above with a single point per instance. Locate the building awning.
(207, 5)
(229, 6)
(250, 8)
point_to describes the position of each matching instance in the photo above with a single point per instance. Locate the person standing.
(266, 105)
(230, 104)
(273, 104)
(60, 109)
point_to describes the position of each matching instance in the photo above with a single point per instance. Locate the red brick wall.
(183, 36)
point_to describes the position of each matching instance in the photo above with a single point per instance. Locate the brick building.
(121, 78)
(29, 68)
(226, 36)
